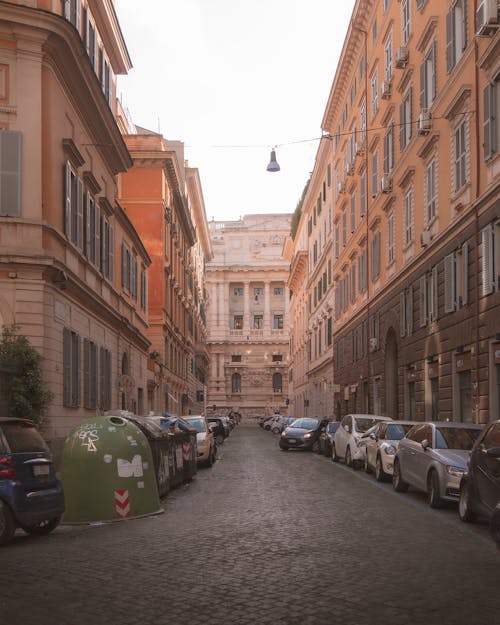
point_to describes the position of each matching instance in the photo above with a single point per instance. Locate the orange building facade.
(61, 230)
(411, 183)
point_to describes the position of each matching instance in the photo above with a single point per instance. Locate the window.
(89, 374)
(428, 85)
(278, 290)
(374, 173)
(408, 217)
(71, 368)
(456, 279)
(362, 116)
(406, 312)
(405, 21)
(104, 379)
(90, 38)
(277, 358)
(336, 243)
(144, 289)
(362, 269)
(374, 82)
(362, 195)
(278, 322)
(238, 291)
(460, 156)
(353, 212)
(388, 59)
(344, 228)
(236, 383)
(72, 12)
(277, 383)
(374, 31)
(390, 239)
(238, 322)
(236, 358)
(430, 192)
(490, 259)
(352, 281)
(491, 115)
(389, 149)
(258, 322)
(375, 249)
(10, 173)
(456, 33)
(406, 119)
(258, 291)
(429, 297)
(92, 233)
(73, 206)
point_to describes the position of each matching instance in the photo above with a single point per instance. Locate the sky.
(232, 79)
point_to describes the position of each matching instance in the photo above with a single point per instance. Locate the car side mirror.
(425, 444)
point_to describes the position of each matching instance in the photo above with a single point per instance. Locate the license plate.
(41, 469)
(292, 440)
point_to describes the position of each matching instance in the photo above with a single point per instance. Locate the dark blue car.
(31, 496)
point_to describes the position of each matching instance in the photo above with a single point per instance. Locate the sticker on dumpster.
(107, 458)
(122, 503)
(178, 456)
(186, 451)
(140, 484)
(132, 441)
(130, 469)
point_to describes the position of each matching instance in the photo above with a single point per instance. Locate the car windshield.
(456, 438)
(397, 431)
(364, 424)
(198, 424)
(333, 427)
(23, 438)
(305, 424)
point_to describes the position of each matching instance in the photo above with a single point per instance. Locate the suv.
(31, 496)
(480, 486)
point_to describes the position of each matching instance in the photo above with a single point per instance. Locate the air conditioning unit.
(386, 183)
(425, 238)
(360, 147)
(424, 123)
(373, 344)
(386, 89)
(401, 57)
(341, 187)
(487, 17)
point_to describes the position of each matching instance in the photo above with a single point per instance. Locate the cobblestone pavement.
(264, 537)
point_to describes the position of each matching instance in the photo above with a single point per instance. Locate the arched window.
(236, 383)
(277, 383)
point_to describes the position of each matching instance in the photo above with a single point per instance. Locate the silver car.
(433, 458)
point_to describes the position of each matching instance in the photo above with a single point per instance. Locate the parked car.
(270, 422)
(280, 423)
(302, 433)
(205, 440)
(326, 438)
(381, 443)
(480, 486)
(345, 445)
(432, 457)
(217, 426)
(31, 496)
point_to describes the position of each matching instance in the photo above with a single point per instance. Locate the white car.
(346, 441)
(381, 443)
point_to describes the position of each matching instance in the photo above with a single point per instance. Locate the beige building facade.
(247, 316)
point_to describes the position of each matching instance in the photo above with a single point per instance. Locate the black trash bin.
(185, 449)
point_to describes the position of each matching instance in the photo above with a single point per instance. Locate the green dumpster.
(107, 472)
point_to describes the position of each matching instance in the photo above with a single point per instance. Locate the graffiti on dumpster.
(89, 436)
(130, 469)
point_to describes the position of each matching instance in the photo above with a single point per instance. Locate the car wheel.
(275, 430)
(335, 458)
(380, 474)
(44, 527)
(7, 525)
(348, 458)
(433, 491)
(465, 511)
(366, 465)
(399, 485)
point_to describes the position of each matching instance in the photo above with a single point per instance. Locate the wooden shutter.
(66, 367)
(423, 87)
(488, 124)
(465, 274)
(86, 373)
(111, 253)
(434, 293)
(464, 24)
(423, 301)
(450, 36)
(487, 260)
(449, 283)
(402, 314)
(79, 215)
(409, 311)
(10, 173)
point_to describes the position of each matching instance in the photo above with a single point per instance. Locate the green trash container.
(108, 472)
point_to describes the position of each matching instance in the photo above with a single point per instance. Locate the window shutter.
(402, 126)
(79, 215)
(434, 70)
(464, 24)
(86, 226)
(449, 284)
(111, 253)
(66, 367)
(362, 193)
(67, 199)
(450, 50)
(102, 377)
(423, 89)
(124, 265)
(98, 236)
(93, 375)
(410, 115)
(434, 286)
(423, 301)
(487, 260)
(409, 311)
(402, 315)
(67, 9)
(86, 373)
(487, 122)
(10, 173)
(465, 274)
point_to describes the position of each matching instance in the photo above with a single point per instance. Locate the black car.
(326, 437)
(480, 487)
(302, 433)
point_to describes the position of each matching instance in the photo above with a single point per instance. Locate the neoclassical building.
(247, 315)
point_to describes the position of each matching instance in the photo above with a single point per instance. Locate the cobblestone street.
(264, 537)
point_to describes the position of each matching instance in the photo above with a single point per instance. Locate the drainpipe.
(476, 210)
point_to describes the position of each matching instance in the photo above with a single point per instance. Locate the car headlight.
(390, 450)
(455, 471)
(308, 435)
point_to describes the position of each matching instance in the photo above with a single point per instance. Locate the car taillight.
(7, 471)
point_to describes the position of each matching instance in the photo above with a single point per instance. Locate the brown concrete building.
(248, 315)
(62, 279)
(413, 119)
